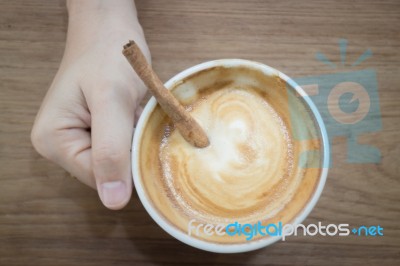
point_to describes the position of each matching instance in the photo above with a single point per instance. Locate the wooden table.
(48, 218)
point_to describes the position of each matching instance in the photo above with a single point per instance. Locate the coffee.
(256, 166)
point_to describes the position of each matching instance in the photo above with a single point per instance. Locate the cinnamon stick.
(190, 130)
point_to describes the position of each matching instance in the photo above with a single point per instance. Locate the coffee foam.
(249, 173)
(250, 155)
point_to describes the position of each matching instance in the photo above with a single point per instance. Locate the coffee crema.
(256, 167)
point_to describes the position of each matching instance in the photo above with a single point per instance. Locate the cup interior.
(186, 94)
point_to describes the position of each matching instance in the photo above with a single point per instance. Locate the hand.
(86, 120)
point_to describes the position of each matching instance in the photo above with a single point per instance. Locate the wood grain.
(47, 218)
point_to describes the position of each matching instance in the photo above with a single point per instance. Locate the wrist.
(78, 8)
(96, 15)
(94, 21)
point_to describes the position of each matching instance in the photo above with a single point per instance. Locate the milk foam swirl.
(245, 174)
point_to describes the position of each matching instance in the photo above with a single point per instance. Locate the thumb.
(112, 127)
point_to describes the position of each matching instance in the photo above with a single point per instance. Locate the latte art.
(243, 174)
(253, 170)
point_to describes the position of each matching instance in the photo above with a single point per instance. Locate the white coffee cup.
(191, 240)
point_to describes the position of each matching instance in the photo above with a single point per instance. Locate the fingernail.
(114, 193)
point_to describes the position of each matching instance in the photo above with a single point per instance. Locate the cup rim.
(201, 244)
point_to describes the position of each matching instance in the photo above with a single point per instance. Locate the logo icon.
(348, 103)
